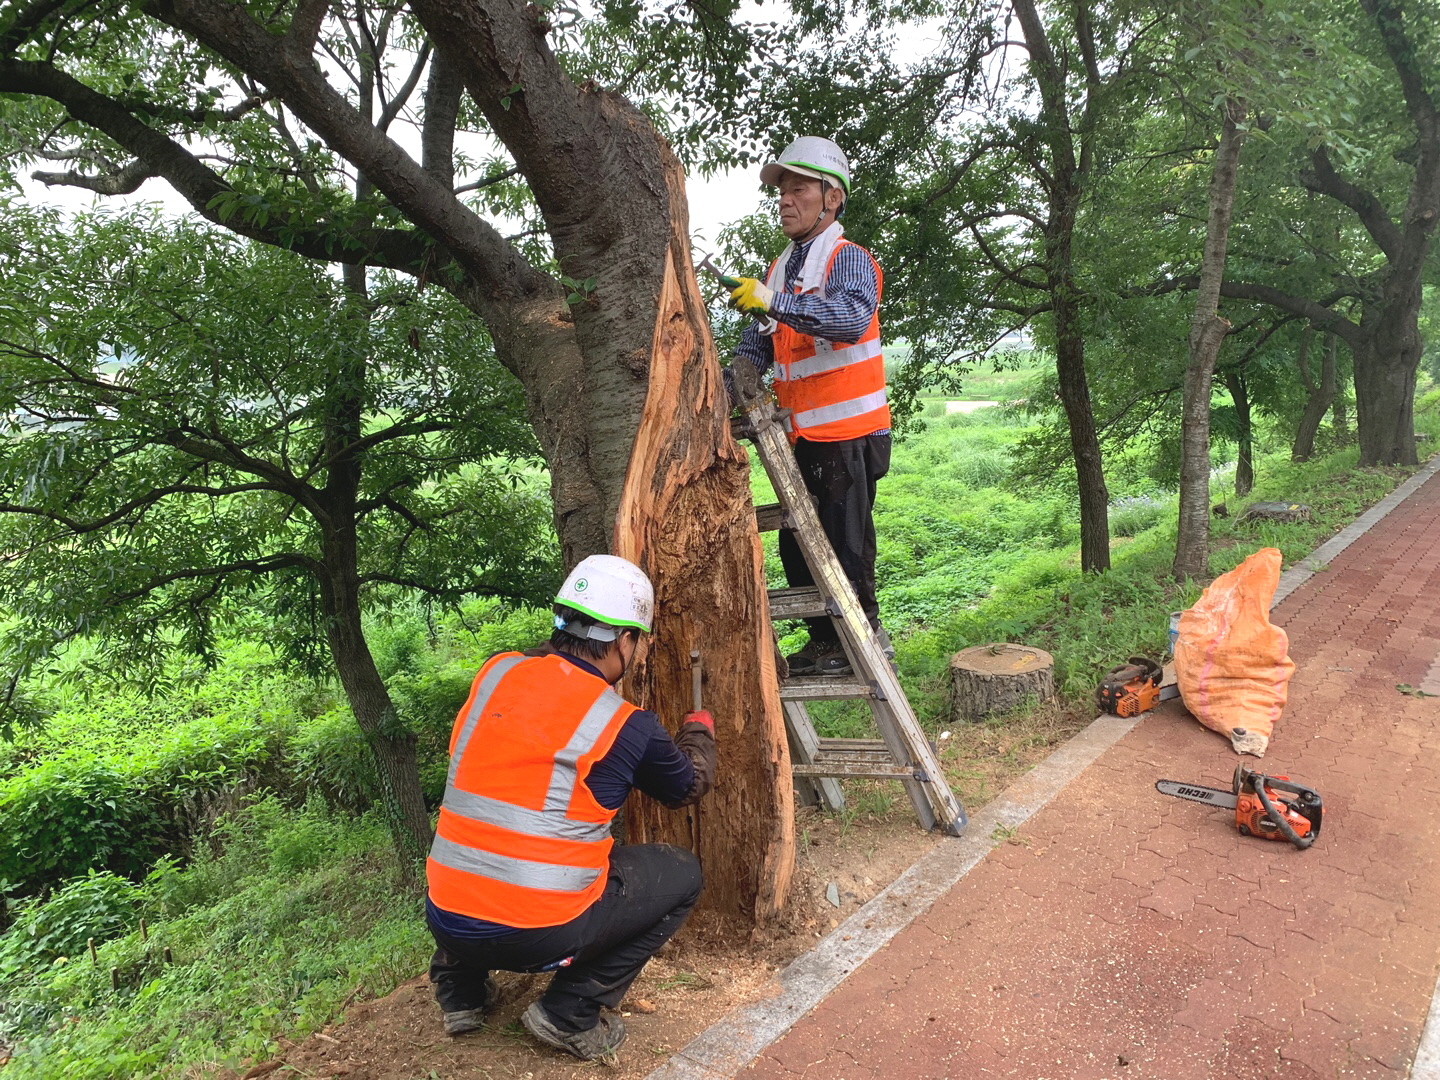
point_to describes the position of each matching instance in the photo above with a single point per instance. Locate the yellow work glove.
(753, 297)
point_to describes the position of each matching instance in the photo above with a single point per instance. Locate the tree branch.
(1323, 179)
(197, 183)
(123, 182)
(267, 564)
(149, 499)
(442, 110)
(231, 31)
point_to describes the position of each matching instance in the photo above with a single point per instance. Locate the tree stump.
(986, 679)
(1284, 513)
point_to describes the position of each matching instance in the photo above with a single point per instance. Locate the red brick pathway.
(1126, 935)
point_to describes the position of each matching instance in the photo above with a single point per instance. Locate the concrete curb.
(726, 1047)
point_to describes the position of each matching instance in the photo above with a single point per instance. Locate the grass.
(298, 915)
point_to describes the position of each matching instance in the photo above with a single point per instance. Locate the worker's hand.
(753, 297)
(700, 717)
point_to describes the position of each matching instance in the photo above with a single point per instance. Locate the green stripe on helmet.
(606, 619)
(844, 184)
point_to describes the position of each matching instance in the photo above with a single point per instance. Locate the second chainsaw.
(1130, 689)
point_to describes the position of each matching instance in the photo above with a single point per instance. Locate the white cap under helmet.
(812, 156)
(612, 591)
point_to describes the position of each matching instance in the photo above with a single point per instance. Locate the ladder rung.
(823, 688)
(853, 752)
(861, 770)
(854, 746)
(797, 604)
(771, 517)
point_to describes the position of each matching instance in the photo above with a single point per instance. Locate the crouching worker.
(523, 874)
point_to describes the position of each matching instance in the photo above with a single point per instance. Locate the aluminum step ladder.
(902, 752)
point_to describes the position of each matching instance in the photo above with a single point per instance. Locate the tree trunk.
(686, 507)
(1207, 331)
(625, 393)
(1244, 435)
(1084, 441)
(1064, 187)
(1340, 413)
(1318, 398)
(390, 741)
(1387, 358)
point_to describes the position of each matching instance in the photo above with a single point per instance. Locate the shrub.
(99, 905)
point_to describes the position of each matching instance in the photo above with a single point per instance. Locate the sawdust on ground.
(711, 967)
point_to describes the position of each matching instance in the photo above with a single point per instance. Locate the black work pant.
(841, 476)
(650, 890)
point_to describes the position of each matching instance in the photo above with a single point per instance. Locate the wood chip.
(641, 1005)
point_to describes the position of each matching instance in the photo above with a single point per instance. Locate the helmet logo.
(581, 585)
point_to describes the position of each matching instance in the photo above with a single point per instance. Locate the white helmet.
(813, 156)
(610, 590)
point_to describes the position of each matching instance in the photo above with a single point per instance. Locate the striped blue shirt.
(841, 313)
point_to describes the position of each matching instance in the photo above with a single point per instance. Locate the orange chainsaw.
(1130, 689)
(1270, 807)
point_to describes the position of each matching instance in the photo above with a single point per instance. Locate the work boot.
(833, 661)
(596, 1044)
(803, 662)
(464, 1021)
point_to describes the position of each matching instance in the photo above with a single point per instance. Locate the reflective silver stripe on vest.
(845, 410)
(522, 819)
(511, 871)
(827, 359)
(564, 775)
(478, 701)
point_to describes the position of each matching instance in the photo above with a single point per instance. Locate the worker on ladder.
(817, 323)
(523, 874)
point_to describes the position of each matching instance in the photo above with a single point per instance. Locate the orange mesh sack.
(1231, 662)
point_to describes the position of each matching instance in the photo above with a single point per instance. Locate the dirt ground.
(707, 970)
(710, 967)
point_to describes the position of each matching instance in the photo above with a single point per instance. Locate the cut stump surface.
(987, 679)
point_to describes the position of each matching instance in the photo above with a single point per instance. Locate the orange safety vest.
(521, 841)
(836, 390)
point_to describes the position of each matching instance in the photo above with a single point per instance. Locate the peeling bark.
(686, 515)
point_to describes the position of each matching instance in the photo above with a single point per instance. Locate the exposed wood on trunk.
(686, 515)
(1207, 332)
